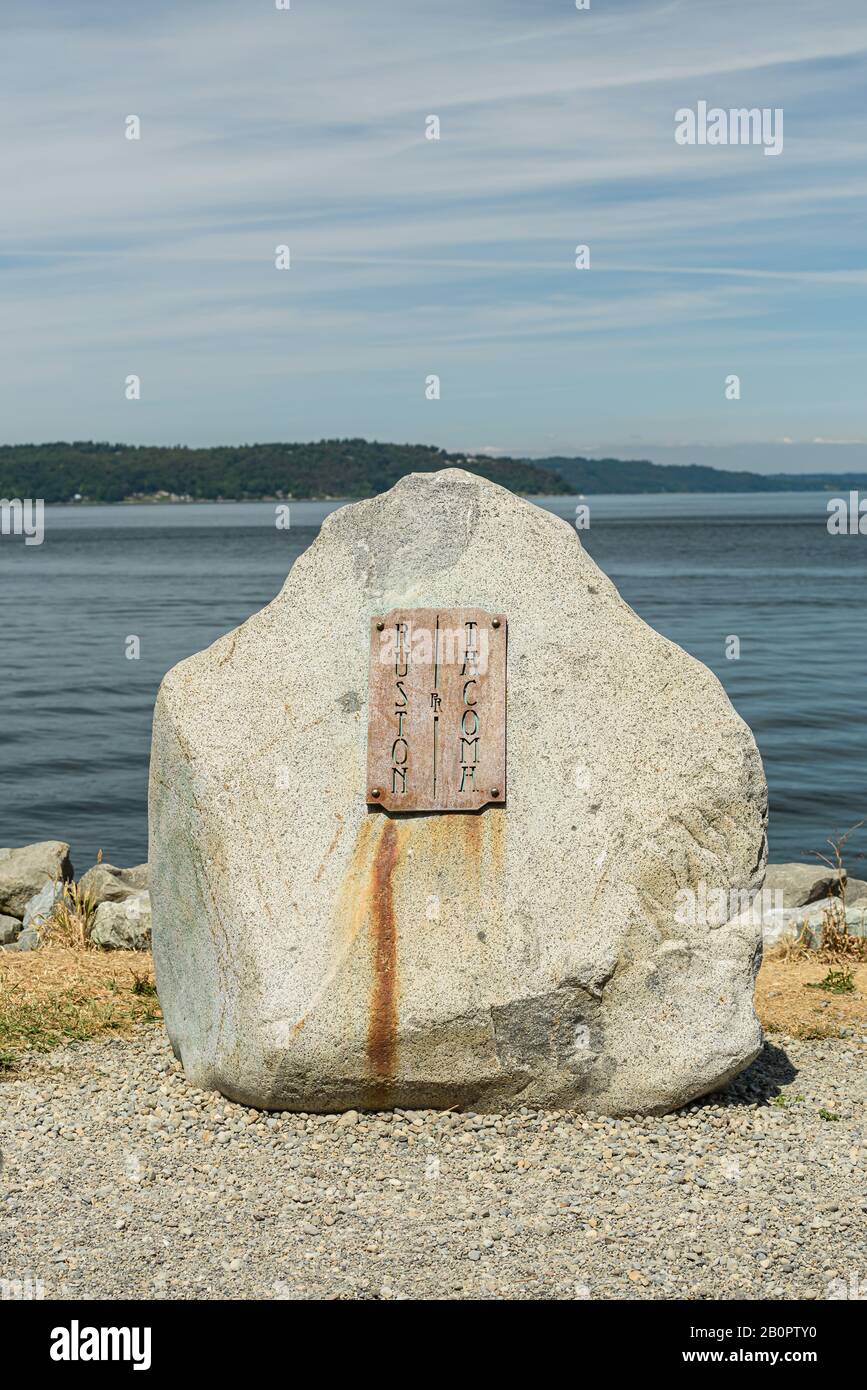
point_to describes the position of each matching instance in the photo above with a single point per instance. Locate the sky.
(413, 257)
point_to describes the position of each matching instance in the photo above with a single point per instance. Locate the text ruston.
(436, 738)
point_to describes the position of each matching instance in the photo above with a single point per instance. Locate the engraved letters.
(436, 721)
(400, 747)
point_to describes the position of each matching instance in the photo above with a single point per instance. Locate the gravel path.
(120, 1181)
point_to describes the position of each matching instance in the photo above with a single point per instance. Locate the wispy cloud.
(411, 256)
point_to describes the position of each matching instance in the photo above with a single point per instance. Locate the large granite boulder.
(314, 954)
(24, 873)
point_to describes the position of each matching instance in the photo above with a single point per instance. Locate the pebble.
(122, 1181)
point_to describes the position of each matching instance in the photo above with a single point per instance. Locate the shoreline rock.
(123, 925)
(105, 883)
(801, 884)
(10, 930)
(25, 871)
(789, 923)
(121, 898)
(41, 905)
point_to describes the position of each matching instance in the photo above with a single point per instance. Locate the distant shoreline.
(85, 473)
(200, 501)
(828, 487)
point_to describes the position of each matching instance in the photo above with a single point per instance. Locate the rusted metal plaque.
(436, 733)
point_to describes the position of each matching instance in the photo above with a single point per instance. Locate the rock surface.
(24, 872)
(28, 940)
(41, 905)
(123, 926)
(106, 884)
(9, 929)
(856, 891)
(801, 884)
(314, 955)
(779, 924)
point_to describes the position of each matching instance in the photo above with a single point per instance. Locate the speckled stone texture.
(314, 955)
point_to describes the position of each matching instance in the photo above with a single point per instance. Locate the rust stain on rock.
(473, 831)
(454, 848)
(382, 1024)
(464, 851)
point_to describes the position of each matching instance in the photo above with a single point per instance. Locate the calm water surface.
(75, 726)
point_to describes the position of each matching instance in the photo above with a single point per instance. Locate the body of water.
(76, 712)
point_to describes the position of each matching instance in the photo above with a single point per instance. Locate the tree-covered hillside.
(345, 468)
(330, 468)
(639, 475)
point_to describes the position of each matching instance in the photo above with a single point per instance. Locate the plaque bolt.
(495, 791)
(495, 622)
(374, 793)
(380, 626)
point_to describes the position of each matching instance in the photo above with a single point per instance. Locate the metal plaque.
(436, 733)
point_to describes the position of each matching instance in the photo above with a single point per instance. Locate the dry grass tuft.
(61, 994)
(839, 945)
(71, 919)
